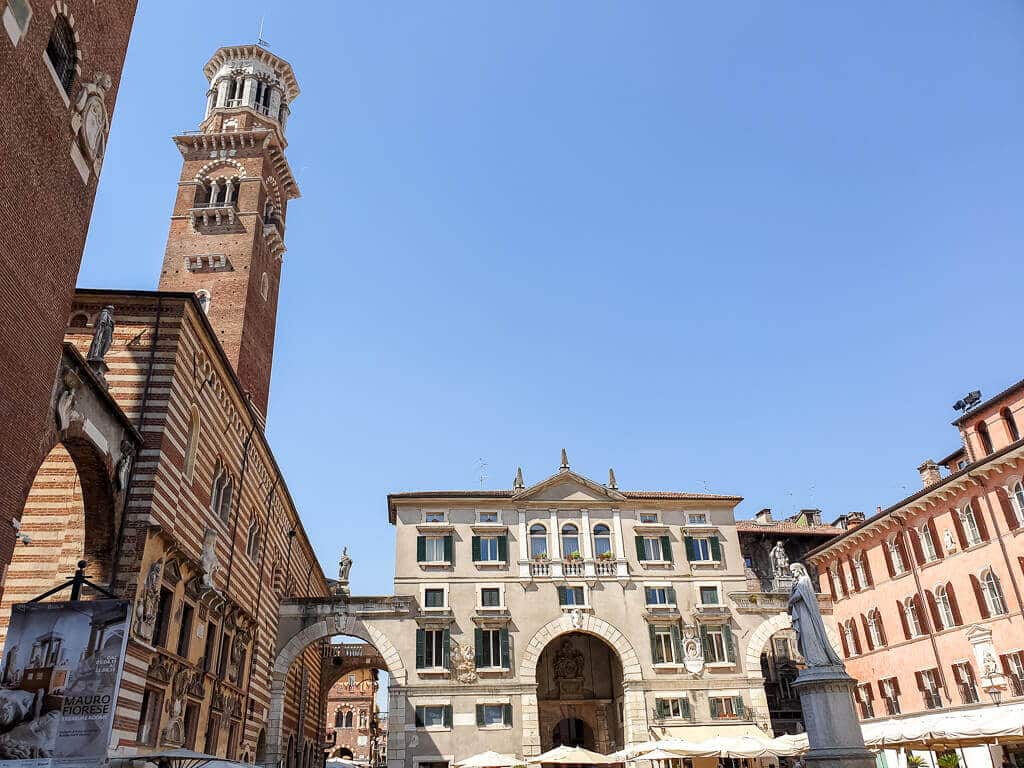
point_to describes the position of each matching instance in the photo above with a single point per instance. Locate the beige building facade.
(572, 612)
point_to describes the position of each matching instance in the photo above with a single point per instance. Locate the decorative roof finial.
(518, 485)
(611, 480)
(565, 462)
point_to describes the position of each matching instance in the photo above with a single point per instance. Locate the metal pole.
(76, 583)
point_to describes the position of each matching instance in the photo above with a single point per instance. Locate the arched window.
(570, 540)
(849, 638)
(264, 286)
(860, 575)
(924, 536)
(79, 320)
(911, 616)
(895, 556)
(1017, 496)
(993, 593)
(602, 540)
(943, 608)
(220, 492)
(538, 541)
(62, 52)
(840, 584)
(348, 719)
(363, 722)
(338, 719)
(192, 443)
(970, 525)
(1011, 424)
(203, 296)
(984, 437)
(875, 629)
(253, 542)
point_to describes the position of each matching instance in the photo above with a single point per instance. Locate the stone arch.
(204, 173)
(763, 633)
(590, 625)
(635, 723)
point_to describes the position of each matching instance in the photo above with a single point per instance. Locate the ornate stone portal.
(825, 689)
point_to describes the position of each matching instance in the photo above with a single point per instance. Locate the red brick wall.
(44, 216)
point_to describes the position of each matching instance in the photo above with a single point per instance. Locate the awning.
(705, 732)
(981, 725)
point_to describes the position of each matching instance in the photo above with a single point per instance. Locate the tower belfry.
(226, 239)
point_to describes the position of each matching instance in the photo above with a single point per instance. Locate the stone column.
(222, 92)
(524, 546)
(396, 728)
(249, 91)
(275, 722)
(530, 725)
(554, 543)
(833, 731)
(586, 544)
(634, 714)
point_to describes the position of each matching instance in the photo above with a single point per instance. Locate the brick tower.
(226, 240)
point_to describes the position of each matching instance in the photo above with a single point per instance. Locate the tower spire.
(565, 462)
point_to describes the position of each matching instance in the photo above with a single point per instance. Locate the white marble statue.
(811, 639)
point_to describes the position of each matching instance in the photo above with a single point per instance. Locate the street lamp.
(995, 692)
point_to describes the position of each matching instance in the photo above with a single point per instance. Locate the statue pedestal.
(833, 731)
(782, 583)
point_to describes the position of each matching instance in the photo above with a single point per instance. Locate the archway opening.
(68, 515)
(779, 670)
(354, 686)
(580, 694)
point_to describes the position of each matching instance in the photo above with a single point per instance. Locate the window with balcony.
(538, 541)
(928, 684)
(570, 541)
(963, 673)
(602, 541)
(673, 708)
(890, 690)
(666, 644)
(717, 643)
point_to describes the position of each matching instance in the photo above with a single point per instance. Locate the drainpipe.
(926, 616)
(999, 537)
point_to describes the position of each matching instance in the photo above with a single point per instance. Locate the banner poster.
(59, 679)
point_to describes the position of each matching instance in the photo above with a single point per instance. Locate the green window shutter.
(505, 654)
(705, 643)
(716, 708)
(421, 549)
(671, 595)
(449, 546)
(479, 714)
(716, 549)
(419, 717)
(503, 548)
(640, 549)
(420, 649)
(666, 548)
(689, 547)
(478, 644)
(448, 716)
(677, 643)
(476, 549)
(562, 596)
(738, 705)
(684, 707)
(727, 639)
(660, 709)
(654, 643)
(446, 649)
(506, 714)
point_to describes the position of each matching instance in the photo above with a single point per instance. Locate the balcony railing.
(605, 568)
(540, 568)
(771, 602)
(572, 568)
(213, 213)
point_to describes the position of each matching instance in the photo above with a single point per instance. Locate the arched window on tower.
(217, 192)
(62, 52)
(220, 492)
(1011, 424)
(984, 437)
(192, 443)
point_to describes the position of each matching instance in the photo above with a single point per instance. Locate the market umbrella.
(678, 748)
(565, 755)
(489, 759)
(658, 754)
(180, 758)
(736, 746)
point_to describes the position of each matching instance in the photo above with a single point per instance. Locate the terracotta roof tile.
(785, 526)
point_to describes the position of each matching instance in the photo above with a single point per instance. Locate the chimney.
(853, 519)
(810, 516)
(764, 517)
(930, 473)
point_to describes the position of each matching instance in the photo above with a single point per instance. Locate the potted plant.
(915, 761)
(606, 556)
(949, 760)
(540, 557)
(574, 555)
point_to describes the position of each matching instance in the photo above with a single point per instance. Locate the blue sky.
(755, 248)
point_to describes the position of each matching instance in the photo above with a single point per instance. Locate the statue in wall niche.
(576, 618)
(102, 335)
(124, 464)
(210, 564)
(463, 664)
(948, 541)
(811, 638)
(146, 604)
(693, 652)
(344, 566)
(990, 668)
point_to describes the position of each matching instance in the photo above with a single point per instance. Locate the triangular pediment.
(568, 486)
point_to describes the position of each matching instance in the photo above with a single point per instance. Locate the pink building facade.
(928, 593)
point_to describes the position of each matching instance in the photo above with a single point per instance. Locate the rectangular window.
(433, 598)
(490, 597)
(435, 549)
(210, 647)
(709, 595)
(663, 646)
(490, 649)
(433, 649)
(212, 735)
(571, 596)
(185, 630)
(489, 517)
(648, 518)
(717, 642)
(191, 725)
(928, 682)
(697, 518)
(726, 707)
(964, 675)
(671, 708)
(149, 717)
(434, 716)
(433, 516)
(494, 715)
(890, 689)
(225, 653)
(867, 710)
(652, 549)
(660, 596)
(163, 617)
(489, 549)
(703, 549)
(1013, 667)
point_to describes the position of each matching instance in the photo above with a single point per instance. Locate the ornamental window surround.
(911, 616)
(254, 542)
(221, 491)
(62, 53)
(570, 541)
(219, 192)
(602, 540)
(970, 524)
(875, 631)
(924, 536)
(896, 556)
(538, 540)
